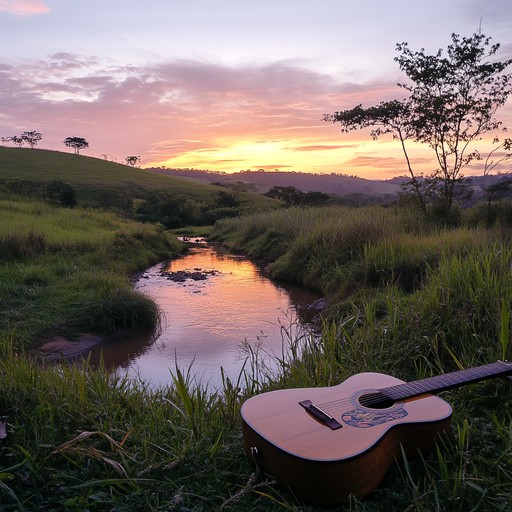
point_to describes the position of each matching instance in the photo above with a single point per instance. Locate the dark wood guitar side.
(325, 444)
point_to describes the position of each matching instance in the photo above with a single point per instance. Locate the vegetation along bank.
(415, 289)
(408, 298)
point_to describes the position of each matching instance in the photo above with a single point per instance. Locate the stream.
(214, 304)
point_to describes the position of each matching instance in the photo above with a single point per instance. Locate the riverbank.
(409, 300)
(69, 273)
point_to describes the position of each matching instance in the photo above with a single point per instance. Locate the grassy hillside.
(99, 183)
(66, 271)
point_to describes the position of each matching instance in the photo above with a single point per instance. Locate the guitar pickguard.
(363, 418)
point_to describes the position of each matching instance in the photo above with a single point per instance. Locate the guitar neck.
(447, 381)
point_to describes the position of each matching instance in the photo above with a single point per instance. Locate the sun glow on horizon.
(352, 154)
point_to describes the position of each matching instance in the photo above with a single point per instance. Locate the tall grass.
(407, 298)
(412, 300)
(67, 271)
(338, 250)
(79, 438)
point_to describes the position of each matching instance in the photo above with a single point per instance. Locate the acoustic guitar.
(325, 444)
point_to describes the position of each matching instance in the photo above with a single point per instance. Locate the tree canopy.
(132, 160)
(77, 143)
(292, 196)
(31, 138)
(452, 103)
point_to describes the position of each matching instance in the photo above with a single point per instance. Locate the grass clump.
(67, 271)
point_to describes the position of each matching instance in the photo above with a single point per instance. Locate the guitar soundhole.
(375, 400)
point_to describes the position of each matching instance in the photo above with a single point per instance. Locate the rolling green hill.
(100, 183)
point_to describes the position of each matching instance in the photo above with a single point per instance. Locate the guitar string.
(365, 400)
(373, 397)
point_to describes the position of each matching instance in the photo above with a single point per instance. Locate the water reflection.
(206, 322)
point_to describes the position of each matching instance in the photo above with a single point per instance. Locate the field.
(66, 270)
(407, 297)
(144, 195)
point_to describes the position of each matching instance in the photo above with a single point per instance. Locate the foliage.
(452, 103)
(293, 197)
(58, 192)
(501, 153)
(19, 141)
(31, 138)
(77, 143)
(175, 212)
(132, 160)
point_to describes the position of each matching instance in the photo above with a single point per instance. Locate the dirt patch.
(59, 347)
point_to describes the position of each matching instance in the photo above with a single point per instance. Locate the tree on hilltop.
(452, 103)
(31, 138)
(132, 160)
(16, 139)
(77, 143)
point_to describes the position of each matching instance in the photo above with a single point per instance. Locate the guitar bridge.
(320, 415)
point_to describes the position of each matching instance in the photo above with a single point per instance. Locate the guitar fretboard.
(447, 381)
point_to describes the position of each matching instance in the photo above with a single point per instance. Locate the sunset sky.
(222, 85)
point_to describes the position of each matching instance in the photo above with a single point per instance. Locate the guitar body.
(324, 465)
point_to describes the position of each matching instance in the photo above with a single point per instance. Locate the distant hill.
(478, 186)
(349, 187)
(261, 181)
(100, 181)
(144, 194)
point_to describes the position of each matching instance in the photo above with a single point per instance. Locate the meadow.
(140, 194)
(63, 271)
(407, 297)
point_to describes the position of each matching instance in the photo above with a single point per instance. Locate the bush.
(60, 193)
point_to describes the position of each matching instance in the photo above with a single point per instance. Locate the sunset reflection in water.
(206, 322)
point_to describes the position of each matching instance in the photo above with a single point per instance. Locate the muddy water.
(213, 304)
